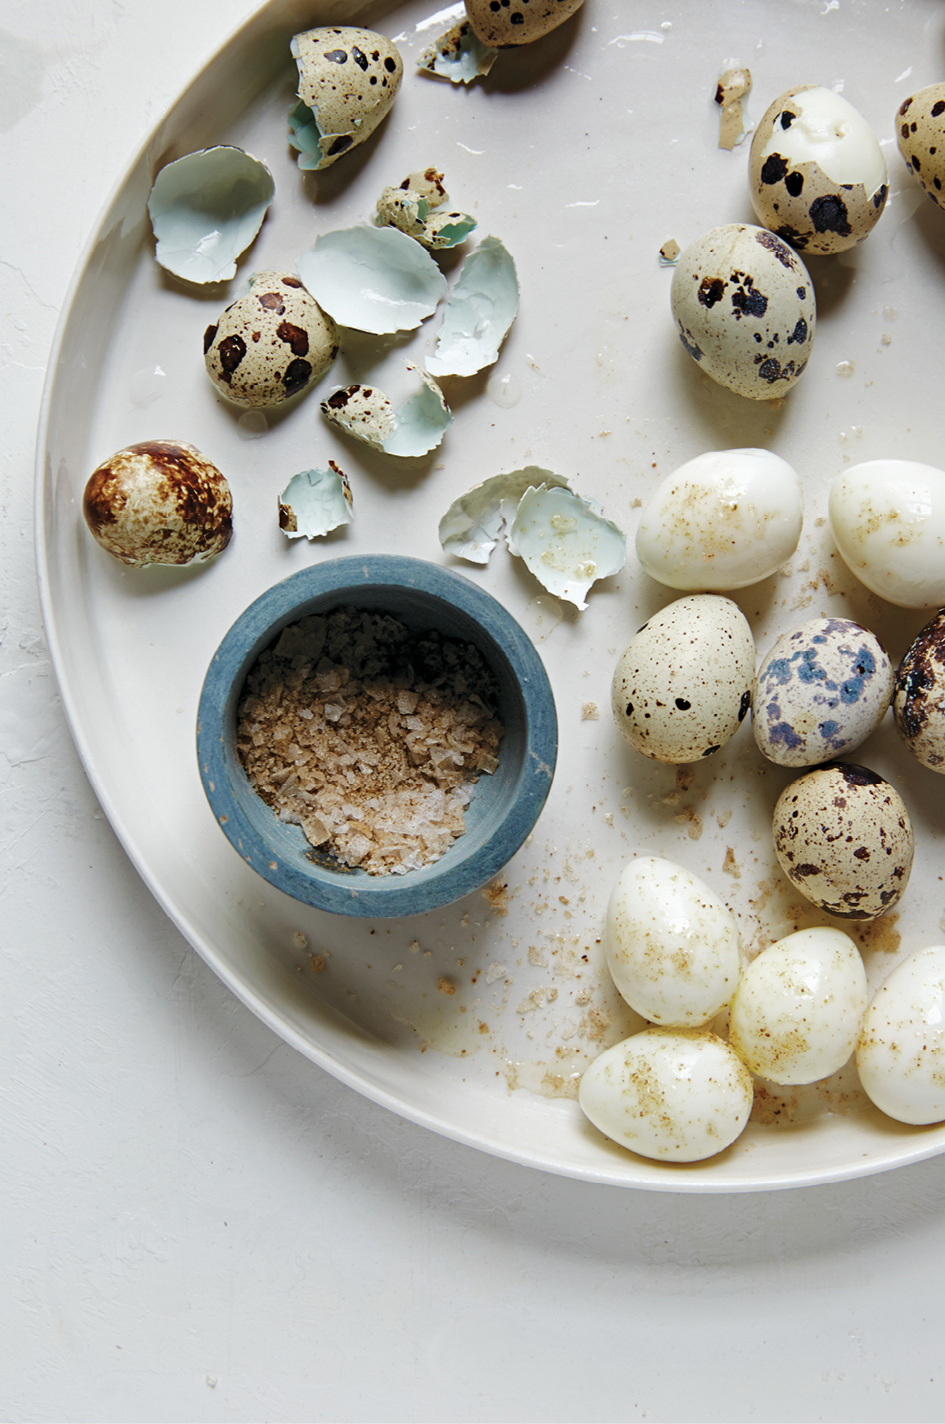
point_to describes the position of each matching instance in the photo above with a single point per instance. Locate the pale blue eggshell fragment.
(471, 526)
(315, 502)
(411, 429)
(205, 209)
(566, 542)
(480, 309)
(458, 55)
(372, 279)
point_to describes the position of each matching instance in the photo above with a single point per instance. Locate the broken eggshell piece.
(417, 206)
(373, 279)
(413, 428)
(471, 526)
(348, 78)
(205, 210)
(566, 542)
(479, 312)
(315, 502)
(458, 55)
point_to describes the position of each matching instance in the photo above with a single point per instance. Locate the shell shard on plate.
(471, 526)
(479, 312)
(566, 542)
(413, 428)
(315, 502)
(373, 279)
(206, 208)
(458, 55)
(348, 79)
(417, 206)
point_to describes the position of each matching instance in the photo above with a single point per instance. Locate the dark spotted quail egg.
(517, 22)
(920, 134)
(745, 309)
(817, 174)
(919, 698)
(348, 78)
(271, 343)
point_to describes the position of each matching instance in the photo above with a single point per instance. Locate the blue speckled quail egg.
(722, 521)
(816, 171)
(920, 134)
(348, 78)
(672, 1094)
(682, 685)
(517, 22)
(671, 945)
(744, 307)
(798, 1008)
(271, 343)
(820, 691)
(844, 838)
(888, 520)
(919, 697)
(901, 1053)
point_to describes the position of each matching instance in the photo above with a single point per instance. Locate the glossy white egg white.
(888, 520)
(901, 1052)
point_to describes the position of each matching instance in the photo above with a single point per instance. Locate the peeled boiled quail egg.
(348, 78)
(798, 1008)
(920, 134)
(744, 307)
(888, 520)
(205, 209)
(671, 1094)
(471, 526)
(271, 343)
(671, 945)
(844, 838)
(820, 691)
(919, 698)
(817, 174)
(900, 1056)
(724, 520)
(159, 502)
(682, 685)
(517, 22)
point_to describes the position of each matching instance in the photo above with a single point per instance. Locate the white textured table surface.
(198, 1224)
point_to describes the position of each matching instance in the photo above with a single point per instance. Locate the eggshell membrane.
(900, 1055)
(888, 521)
(723, 520)
(348, 78)
(920, 134)
(797, 1011)
(672, 946)
(844, 838)
(669, 1094)
(272, 343)
(517, 22)
(919, 698)
(682, 686)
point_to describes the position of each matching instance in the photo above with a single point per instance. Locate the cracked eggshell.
(205, 210)
(920, 134)
(844, 838)
(888, 520)
(682, 686)
(373, 279)
(417, 206)
(919, 697)
(315, 502)
(797, 1011)
(816, 171)
(671, 945)
(348, 79)
(745, 309)
(724, 520)
(820, 691)
(458, 55)
(566, 542)
(670, 1094)
(471, 526)
(159, 502)
(900, 1056)
(413, 428)
(517, 22)
(479, 311)
(272, 343)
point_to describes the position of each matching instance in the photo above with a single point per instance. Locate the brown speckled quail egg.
(844, 838)
(745, 310)
(271, 343)
(517, 22)
(919, 697)
(682, 685)
(920, 134)
(159, 502)
(348, 78)
(816, 171)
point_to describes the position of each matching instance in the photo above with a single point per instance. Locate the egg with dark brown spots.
(270, 344)
(745, 310)
(159, 502)
(517, 22)
(920, 134)
(348, 79)
(844, 838)
(919, 697)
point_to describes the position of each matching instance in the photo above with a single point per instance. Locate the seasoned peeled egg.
(888, 520)
(901, 1053)
(271, 343)
(920, 134)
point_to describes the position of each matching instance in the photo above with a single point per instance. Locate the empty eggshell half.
(458, 55)
(471, 527)
(205, 209)
(566, 542)
(373, 279)
(479, 311)
(315, 502)
(412, 428)
(348, 78)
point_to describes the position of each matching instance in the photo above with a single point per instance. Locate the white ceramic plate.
(584, 155)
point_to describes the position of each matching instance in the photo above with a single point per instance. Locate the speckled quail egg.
(919, 697)
(517, 22)
(817, 174)
(844, 838)
(271, 343)
(348, 79)
(798, 1008)
(682, 685)
(722, 521)
(745, 310)
(159, 502)
(672, 946)
(920, 134)
(820, 691)
(901, 1053)
(888, 520)
(671, 1094)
